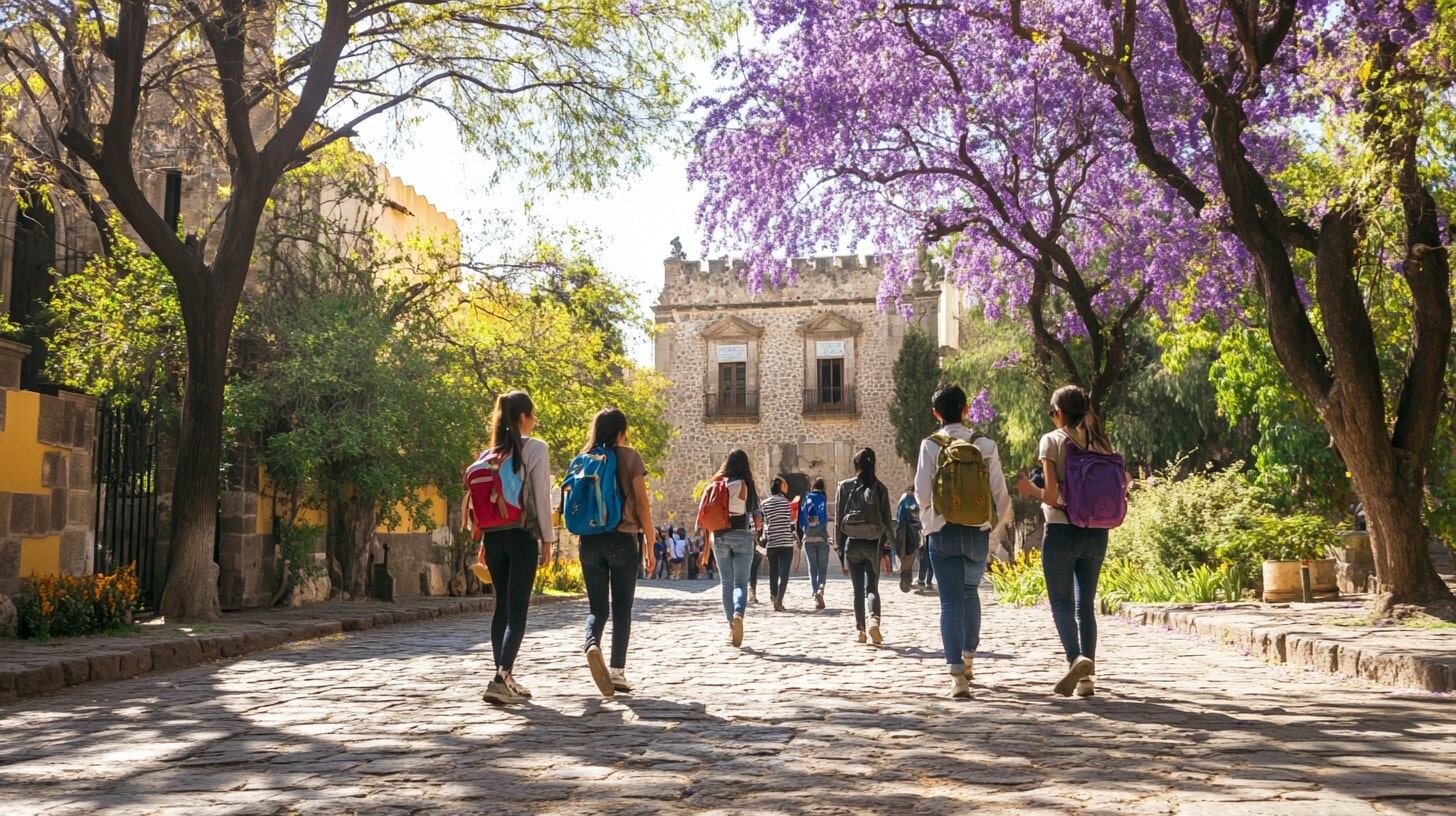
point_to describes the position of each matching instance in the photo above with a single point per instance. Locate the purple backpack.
(1096, 488)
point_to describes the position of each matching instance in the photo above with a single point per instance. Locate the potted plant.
(1287, 543)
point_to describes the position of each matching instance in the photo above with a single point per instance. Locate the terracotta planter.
(1282, 585)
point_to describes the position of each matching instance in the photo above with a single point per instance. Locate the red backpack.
(490, 507)
(713, 509)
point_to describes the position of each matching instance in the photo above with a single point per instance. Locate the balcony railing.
(733, 406)
(830, 401)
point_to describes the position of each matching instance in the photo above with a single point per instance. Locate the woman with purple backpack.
(1079, 510)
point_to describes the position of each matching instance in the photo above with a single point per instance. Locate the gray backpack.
(862, 517)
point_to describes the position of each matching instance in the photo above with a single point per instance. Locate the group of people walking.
(958, 502)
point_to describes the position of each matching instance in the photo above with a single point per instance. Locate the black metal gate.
(126, 497)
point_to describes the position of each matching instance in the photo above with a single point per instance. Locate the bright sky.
(635, 221)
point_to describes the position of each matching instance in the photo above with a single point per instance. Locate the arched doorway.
(31, 263)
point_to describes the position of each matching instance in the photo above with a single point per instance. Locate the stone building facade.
(798, 377)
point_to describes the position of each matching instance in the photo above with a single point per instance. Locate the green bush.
(298, 542)
(1180, 524)
(1020, 582)
(560, 576)
(1277, 538)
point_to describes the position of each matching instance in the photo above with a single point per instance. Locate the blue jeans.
(734, 551)
(816, 552)
(1071, 560)
(958, 556)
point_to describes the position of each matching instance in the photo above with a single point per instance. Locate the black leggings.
(780, 563)
(510, 555)
(863, 558)
(753, 572)
(608, 564)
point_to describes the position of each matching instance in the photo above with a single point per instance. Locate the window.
(172, 200)
(733, 384)
(831, 381)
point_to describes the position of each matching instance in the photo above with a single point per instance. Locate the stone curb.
(121, 663)
(1357, 655)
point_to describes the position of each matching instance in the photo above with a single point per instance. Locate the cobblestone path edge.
(1357, 654)
(111, 661)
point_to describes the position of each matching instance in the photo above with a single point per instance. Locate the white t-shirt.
(679, 547)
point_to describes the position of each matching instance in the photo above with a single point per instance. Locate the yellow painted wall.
(268, 507)
(40, 556)
(20, 453)
(439, 514)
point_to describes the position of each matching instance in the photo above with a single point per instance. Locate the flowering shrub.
(77, 605)
(560, 576)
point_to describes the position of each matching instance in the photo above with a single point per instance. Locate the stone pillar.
(12, 354)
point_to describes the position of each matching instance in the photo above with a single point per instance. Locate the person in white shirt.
(958, 553)
(679, 552)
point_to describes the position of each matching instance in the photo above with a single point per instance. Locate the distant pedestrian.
(962, 496)
(510, 488)
(660, 554)
(618, 491)
(907, 535)
(679, 545)
(814, 529)
(728, 513)
(778, 526)
(862, 526)
(1073, 551)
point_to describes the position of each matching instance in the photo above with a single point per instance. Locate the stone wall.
(47, 489)
(707, 304)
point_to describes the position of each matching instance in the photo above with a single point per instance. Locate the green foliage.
(1020, 582)
(117, 328)
(1179, 524)
(560, 576)
(998, 355)
(916, 374)
(1281, 538)
(299, 542)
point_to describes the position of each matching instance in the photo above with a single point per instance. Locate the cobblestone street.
(802, 720)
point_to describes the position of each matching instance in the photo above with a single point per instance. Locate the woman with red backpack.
(510, 499)
(1083, 494)
(728, 513)
(609, 558)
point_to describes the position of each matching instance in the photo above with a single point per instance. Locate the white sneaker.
(969, 659)
(599, 673)
(960, 687)
(1085, 688)
(516, 688)
(1080, 668)
(619, 680)
(498, 693)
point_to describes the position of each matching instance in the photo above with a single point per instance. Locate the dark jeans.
(753, 573)
(510, 555)
(1071, 560)
(608, 568)
(863, 558)
(959, 554)
(927, 571)
(780, 564)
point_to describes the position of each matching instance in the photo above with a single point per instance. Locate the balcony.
(830, 401)
(733, 406)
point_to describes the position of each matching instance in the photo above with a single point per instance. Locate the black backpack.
(862, 517)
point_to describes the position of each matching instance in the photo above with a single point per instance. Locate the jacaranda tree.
(905, 126)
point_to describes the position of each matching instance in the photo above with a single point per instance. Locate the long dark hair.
(1077, 412)
(864, 463)
(736, 467)
(506, 424)
(606, 428)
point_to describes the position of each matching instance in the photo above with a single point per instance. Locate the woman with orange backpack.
(510, 504)
(727, 512)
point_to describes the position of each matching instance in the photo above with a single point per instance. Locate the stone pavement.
(801, 721)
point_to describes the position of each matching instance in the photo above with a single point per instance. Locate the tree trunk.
(1393, 506)
(352, 521)
(191, 589)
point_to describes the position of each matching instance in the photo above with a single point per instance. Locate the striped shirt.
(778, 528)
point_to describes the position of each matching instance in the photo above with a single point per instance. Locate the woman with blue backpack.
(604, 500)
(814, 530)
(1083, 494)
(510, 501)
(729, 514)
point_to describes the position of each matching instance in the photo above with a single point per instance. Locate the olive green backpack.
(962, 482)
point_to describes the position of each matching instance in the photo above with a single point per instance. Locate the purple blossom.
(982, 412)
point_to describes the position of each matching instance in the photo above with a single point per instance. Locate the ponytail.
(606, 428)
(506, 425)
(864, 462)
(1076, 409)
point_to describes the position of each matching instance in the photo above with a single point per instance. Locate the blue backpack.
(591, 503)
(814, 512)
